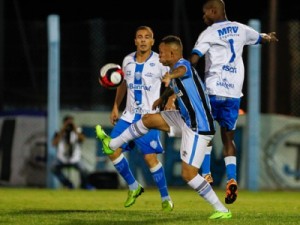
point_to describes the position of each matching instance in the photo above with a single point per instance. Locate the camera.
(69, 127)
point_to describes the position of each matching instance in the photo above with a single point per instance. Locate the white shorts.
(193, 145)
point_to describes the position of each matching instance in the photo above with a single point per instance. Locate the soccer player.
(222, 44)
(142, 82)
(193, 122)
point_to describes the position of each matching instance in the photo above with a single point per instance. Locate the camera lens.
(69, 127)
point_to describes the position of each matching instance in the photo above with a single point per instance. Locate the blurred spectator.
(68, 144)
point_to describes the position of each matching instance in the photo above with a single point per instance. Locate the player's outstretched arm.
(267, 38)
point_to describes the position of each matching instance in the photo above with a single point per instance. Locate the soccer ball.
(111, 75)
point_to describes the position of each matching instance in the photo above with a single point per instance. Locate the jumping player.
(222, 43)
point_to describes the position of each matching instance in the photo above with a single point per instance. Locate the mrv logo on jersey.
(228, 30)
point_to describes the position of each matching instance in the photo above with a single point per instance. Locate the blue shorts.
(147, 144)
(225, 111)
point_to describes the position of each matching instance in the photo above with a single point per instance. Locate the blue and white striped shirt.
(193, 101)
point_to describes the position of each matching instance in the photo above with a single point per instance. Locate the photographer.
(68, 144)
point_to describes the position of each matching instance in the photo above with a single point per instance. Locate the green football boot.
(132, 196)
(167, 205)
(220, 215)
(105, 139)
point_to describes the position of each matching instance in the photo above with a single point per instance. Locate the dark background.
(143, 10)
(23, 83)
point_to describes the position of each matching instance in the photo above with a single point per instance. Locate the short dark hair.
(67, 117)
(172, 39)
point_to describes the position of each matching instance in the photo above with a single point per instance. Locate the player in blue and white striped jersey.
(142, 83)
(222, 44)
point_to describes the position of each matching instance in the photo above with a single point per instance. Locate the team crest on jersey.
(154, 144)
(152, 64)
(138, 75)
(179, 94)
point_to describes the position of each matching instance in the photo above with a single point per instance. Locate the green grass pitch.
(20, 206)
